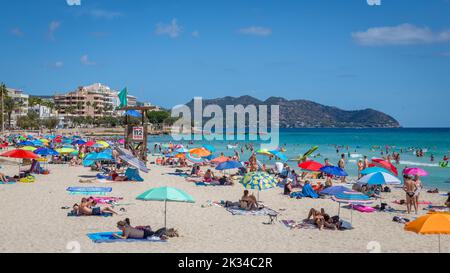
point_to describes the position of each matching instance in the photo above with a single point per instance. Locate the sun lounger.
(107, 237)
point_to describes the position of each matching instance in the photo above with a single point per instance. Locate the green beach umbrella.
(166, 194)
(29, 148)
(65, 150)
(259, 181)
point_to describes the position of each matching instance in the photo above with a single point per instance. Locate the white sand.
(32, 220)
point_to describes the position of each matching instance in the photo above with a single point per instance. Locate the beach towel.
(133, 175)
(107, 200)
(210, 184)
(7, 183)
(107, 237)
(362, 208)
(89, 189)
(307, 191)
(73, 214)
(259, 212)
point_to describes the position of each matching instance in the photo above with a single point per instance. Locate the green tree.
(50, 123)
(157, 117)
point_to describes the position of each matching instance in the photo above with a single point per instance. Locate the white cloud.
(405, 34)
(73, 2)
(54, 25)
(85, 60)
(256, 31)
(17, 32)
(173, 30)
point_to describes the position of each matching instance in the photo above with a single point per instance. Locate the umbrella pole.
(339, 209)
(165, 213)
(439, 238)
(351, 214)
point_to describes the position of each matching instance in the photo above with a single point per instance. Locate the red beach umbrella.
(385, 164)
(89, 143)
(311, 166)
(20, 154)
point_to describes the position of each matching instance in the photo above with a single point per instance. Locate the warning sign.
(138, 133)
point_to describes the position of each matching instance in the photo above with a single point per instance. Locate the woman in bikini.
(410, 189)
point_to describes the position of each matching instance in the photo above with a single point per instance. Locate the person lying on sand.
(129, 232)
(116, 177)
(88, 207)
(447, 203)
(321, 219)
(248, 202)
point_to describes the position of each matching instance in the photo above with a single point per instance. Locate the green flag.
(123, 97)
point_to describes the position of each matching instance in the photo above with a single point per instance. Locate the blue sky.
(394, 57)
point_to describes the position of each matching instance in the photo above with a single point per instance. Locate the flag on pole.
(123, 97)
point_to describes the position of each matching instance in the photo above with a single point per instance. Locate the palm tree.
(3, 94)
(9, 107)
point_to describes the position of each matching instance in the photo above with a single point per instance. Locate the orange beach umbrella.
(200, 152)
(432, 223)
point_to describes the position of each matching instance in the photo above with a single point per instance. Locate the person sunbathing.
(3, 178)
(447, 203)
(321, 219)
(116, 177)
(209, 176)
(89, 207)
(248, 202)
(225, 181)
(144, 232)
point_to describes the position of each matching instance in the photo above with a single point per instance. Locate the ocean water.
(360, 142)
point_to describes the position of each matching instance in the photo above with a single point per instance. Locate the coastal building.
(96, 100)
(21, 104)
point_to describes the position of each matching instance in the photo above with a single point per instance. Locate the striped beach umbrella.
(259, 181)
(370, 170)
(380, 178)
(194, 159)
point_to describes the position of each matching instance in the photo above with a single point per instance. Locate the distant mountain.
(308, 114)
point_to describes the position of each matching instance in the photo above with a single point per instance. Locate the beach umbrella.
(37, 143)
(415, 171)
(310, 166)
(181, 155)
(133, 113)
(279, 154)
(351, 198)
(335, 190)
(194, 159)
(182, 150)
(134, 161)
(45, 151)
(78, 142)
(23, 154)
(228, 165)
(259, 181)
(380, 178)
(28, 148)
(166, 194)
(308, 153)
(200, 152)
(384, 164)
(65, 150)
(370, 170)
(89, 143)
(432, 223)
(220, 159)
(209, 148)
(333, 170)
(25, 143)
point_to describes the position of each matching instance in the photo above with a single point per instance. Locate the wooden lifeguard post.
(136, 135)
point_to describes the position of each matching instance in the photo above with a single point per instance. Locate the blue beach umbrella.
(335, 190)
(352, 198)
(37, 143)
(228, 165)
(78, 142)
(279, 154)
(209, 148)
(25, 143)
(45, 151)
(374, 170)
(380, 178)
(133, 113)
(333, 170)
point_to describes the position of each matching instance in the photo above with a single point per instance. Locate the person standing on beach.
(419, 187)
(366, 163)
(360, 168)
(410, 188)
(341, 164)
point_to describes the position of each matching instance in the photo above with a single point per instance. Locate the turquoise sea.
(370, 142)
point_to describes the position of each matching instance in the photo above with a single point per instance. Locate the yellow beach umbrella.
(103, 143)
(28, 148)
(65, 150)
(432, 223)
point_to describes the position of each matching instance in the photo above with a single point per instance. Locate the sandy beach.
(33, 219)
